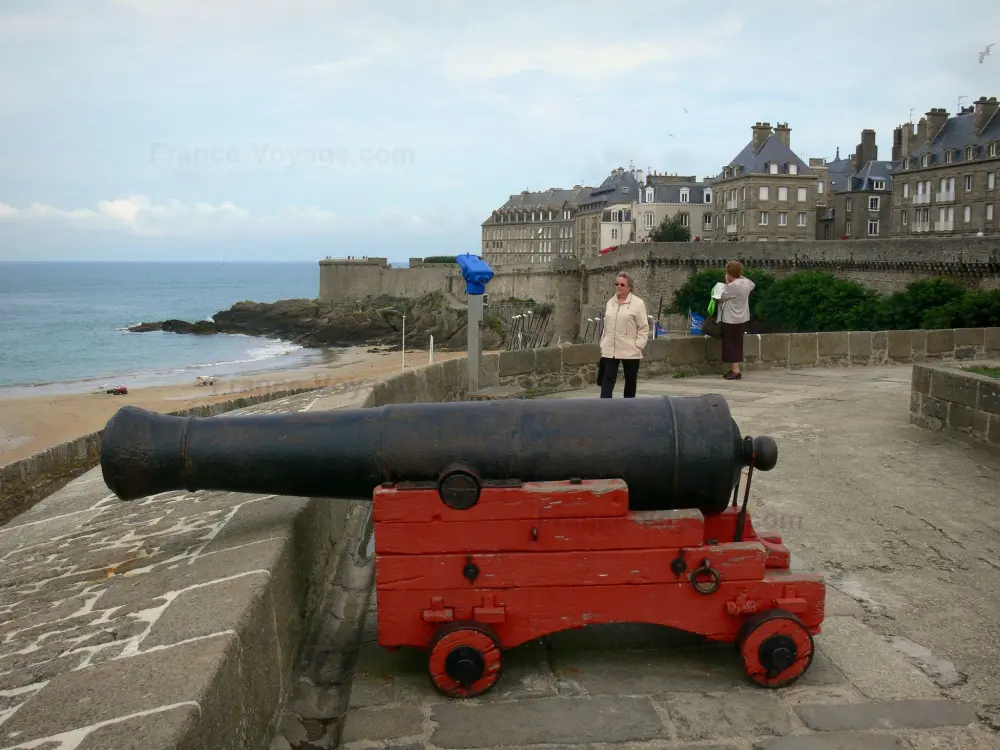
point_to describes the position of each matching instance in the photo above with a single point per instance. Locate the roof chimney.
(760, 133)
(784, 133)
(985, 110)
(936, 120)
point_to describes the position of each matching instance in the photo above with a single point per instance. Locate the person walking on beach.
(733, 316)
(626, 331)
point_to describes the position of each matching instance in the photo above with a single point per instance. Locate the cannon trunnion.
(497, 523)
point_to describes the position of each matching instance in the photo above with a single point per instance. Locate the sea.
(63, 326)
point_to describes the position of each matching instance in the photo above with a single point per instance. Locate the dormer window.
(708, 196)
(949, 156)
(624, 188)
(685, 195)
(772, 168)
(793, 169)
(994, 149)
(925, 160)
(970, 153)
(878, 185)
(649, 195)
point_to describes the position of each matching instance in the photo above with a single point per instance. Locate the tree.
(671, 230)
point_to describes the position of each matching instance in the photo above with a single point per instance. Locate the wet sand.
(29, 424)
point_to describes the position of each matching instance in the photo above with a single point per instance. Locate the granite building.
(947, 180)
(533, 227)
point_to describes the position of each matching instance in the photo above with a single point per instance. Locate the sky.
(299, 129)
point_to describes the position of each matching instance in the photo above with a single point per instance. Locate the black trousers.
(607, 375)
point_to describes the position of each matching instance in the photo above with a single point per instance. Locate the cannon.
(500, 522)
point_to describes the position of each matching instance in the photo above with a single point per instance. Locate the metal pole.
(431, 355)
(404, 342)
(475, 340)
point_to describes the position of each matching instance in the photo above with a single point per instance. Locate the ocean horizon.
(63, 325)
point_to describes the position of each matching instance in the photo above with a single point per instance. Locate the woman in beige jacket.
(626, 331)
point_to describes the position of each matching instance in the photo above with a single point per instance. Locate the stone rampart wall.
(960, 404)
(23, 483)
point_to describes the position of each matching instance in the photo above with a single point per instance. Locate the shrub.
(441, 259)
(816, 301)
(913, 307)
(972, 310)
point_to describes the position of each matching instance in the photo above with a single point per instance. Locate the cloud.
(139, 215)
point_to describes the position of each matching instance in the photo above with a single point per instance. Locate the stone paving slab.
(638, 686)
(169, 622)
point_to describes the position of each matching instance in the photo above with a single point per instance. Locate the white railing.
(945, 196)
(922, 198)
(944, 226)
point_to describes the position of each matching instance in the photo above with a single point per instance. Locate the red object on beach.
(524, 560)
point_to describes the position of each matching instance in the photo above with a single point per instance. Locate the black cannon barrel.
(674, 452)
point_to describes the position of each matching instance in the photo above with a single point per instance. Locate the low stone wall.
(23, 483)
(538, 371)
(960, 404)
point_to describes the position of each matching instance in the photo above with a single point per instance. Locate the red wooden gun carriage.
(497, 523)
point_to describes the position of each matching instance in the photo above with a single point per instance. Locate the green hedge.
(816, 301)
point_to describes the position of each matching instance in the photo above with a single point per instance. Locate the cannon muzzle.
(673, 453)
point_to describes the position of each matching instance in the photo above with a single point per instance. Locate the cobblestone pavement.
(889, 673)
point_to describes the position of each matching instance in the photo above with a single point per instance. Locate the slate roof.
(551, 199)
(671, 193)
(839, 171)
(610, 191)
(872, 171)
(772, 150)
(958, 133)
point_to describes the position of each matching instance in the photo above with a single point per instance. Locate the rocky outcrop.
(374, 321)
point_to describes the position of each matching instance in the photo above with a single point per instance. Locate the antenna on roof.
(960, 102)
(912, 110)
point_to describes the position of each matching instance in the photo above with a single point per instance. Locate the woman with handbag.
(733, 316)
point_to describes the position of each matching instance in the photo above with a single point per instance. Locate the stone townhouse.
(767, 193)
(533, 227)
(667, 196)
(861, 194)
(605, 216)
(947, 182)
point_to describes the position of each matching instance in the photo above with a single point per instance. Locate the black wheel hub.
(777, 654)
(465, 665)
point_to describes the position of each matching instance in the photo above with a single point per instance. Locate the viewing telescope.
(673, 452)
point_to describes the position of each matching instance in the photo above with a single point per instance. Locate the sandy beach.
(32, 423)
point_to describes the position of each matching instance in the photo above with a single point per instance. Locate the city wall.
(579, 289)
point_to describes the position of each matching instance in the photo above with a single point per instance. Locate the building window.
(991, 180)
(614, 234)
(763, 219)
(968, 182)
(707, 221)
(847, 228)
(763, 193)
(902, 217)
(947, 156)
(773, 168)
(970, 153)
(994, 149)
(873, 202)
(685, 195)
(847, 205)
(803, 218)
(793, 169)
(782, 194)
(819, 186)
(873, 227)
(743, 194)
(878, 185)
(967, 214)
(685, 220)
(625, 188)
(649, 220)
(708, 196)
(782, 219)
(925, 160)
(989, 212)
(906, 190)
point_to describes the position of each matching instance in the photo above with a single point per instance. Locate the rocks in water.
(374, 321)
